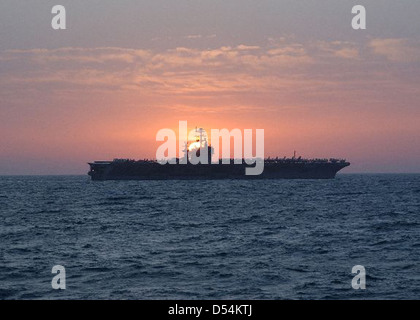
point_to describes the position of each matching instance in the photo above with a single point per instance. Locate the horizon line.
(80, 175)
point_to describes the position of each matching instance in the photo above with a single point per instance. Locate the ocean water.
(280, 239)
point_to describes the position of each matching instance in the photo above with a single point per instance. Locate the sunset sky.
(125, 69)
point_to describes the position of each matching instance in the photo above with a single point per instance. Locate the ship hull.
(135, 170)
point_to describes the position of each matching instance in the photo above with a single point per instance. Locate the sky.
(123, 70)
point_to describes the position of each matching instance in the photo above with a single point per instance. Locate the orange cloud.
(397, 50)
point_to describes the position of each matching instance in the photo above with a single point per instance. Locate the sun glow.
(194, 145)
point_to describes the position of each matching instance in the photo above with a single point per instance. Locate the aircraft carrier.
(274, 168)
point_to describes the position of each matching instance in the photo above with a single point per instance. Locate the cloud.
(200, 36)
(243, 47)
(178, 70)
(338, 49)
(396, 50)
(194, 36)
(347, 53)
(283, 65)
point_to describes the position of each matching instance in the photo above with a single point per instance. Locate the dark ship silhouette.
(274, 168)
